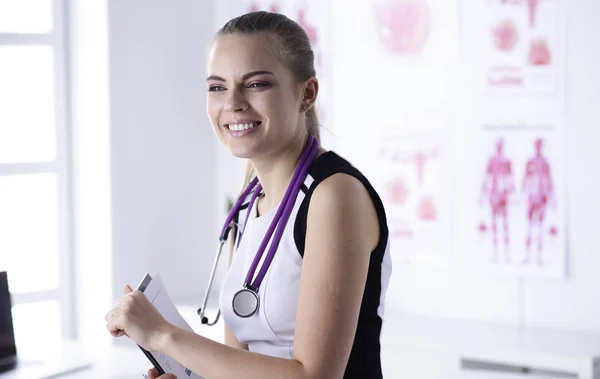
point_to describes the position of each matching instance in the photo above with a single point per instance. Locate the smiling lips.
(242, 128)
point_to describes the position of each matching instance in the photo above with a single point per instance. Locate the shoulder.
(339, 182)
(341, 208)
(340, 189)
(340, 201)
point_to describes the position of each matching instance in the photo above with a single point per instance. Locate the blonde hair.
(293, 48)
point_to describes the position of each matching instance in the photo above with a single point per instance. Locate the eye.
(215, 88)
(257, 85)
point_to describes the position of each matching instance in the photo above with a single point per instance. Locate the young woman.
(312, 306)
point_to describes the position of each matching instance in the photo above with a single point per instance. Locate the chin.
(240, 154)
(247, 148)
(243, 152)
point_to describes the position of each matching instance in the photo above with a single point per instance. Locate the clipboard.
(142, 287)
(154, 290)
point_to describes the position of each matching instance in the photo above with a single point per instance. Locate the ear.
(310, 90)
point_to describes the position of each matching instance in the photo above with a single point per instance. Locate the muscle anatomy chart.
(498, 185)
(519, 222)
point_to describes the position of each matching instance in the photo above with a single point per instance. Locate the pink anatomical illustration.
(532, 7)
(505, 35)
(497, 187)
(538, 188)
(312, 32)
(539, 53)
(397, 191)
(419, 158)
(403, 26)
(427, 209)
(255, 7)
(505, 76)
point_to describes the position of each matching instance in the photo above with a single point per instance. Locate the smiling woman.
(312, 306)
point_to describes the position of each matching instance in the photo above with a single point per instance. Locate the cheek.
(213, 109)
(276, 105)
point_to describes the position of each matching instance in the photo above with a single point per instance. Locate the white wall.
(452, 290)
(143, 151)
(571, 303)
(161, 143)
(89, 123)
(575, 303)
(169, 176)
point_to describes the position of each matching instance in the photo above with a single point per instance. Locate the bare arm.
(342, 230)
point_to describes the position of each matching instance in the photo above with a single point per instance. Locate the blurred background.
(476, 120)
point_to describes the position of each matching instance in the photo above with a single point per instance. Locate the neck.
(276, 172)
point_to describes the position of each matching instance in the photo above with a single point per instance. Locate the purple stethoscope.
(246, 301)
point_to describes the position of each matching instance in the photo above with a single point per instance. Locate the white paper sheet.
(153, 288)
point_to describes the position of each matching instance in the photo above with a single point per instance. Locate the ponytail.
(248, 176)
(312, 123)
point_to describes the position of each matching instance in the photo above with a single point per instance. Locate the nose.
(236, 102)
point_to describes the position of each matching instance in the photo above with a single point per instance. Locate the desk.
(118, 362)
(533, 348)
(412, 347)
(125, 363)
(115, 362)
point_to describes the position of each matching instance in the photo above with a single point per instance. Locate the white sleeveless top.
(271, 330)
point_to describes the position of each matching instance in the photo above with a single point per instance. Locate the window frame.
(60, 166)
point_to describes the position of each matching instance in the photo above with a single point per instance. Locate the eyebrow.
(244, 77)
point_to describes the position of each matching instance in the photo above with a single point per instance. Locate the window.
(34, 161)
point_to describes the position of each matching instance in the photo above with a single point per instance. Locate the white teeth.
(238, 127)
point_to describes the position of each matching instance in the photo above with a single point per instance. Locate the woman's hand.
(133, 315)
(153, 374)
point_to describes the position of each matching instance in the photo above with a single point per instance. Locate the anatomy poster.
(406, 49)
(519, 45)
(519, 226)
(411, 176)
(415, 28)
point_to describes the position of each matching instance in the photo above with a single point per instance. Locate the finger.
(115, 325)
(120, 306)
(109, 315)
(167, 376)
(152, 373)
(119, 300)
(127, 289)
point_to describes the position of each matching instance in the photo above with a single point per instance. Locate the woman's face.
(253, 100)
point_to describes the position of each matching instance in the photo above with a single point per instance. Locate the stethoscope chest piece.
(245, 302)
